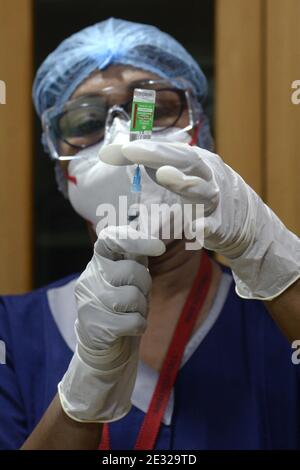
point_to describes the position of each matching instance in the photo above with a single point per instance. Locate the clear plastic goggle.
(84, 121)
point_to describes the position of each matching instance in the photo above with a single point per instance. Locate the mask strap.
(196, 133)
(70, 178)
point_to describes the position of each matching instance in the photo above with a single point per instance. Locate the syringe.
(141, 125)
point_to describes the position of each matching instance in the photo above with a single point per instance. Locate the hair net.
(116, 41)
(112, 41)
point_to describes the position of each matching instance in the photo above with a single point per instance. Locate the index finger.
(157, 154)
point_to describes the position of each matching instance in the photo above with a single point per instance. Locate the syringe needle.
(136, 188)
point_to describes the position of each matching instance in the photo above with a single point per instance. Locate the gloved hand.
(112, 304)
(263, 254)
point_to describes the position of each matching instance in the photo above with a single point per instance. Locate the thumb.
(192, 188)
(176, 180)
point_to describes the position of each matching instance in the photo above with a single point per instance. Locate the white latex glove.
(112, 301)
(263, 254)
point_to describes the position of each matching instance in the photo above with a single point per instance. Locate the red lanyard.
(150, 427)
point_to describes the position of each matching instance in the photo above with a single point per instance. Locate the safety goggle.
(83, 121)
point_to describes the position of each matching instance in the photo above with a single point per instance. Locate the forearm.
(56, 431)
(285, 311)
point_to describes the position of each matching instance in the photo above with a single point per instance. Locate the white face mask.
(94, 183)
(120, 129)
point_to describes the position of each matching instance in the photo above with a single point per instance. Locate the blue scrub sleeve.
(13, 428)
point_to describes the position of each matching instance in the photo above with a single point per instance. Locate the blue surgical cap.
(115, 41)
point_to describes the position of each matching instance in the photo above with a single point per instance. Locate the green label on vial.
(142, 116)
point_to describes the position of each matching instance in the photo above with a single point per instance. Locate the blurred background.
(249, 51)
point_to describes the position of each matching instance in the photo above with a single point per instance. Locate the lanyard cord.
(150, 427)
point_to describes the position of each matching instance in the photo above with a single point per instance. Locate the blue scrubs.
(238, 390)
